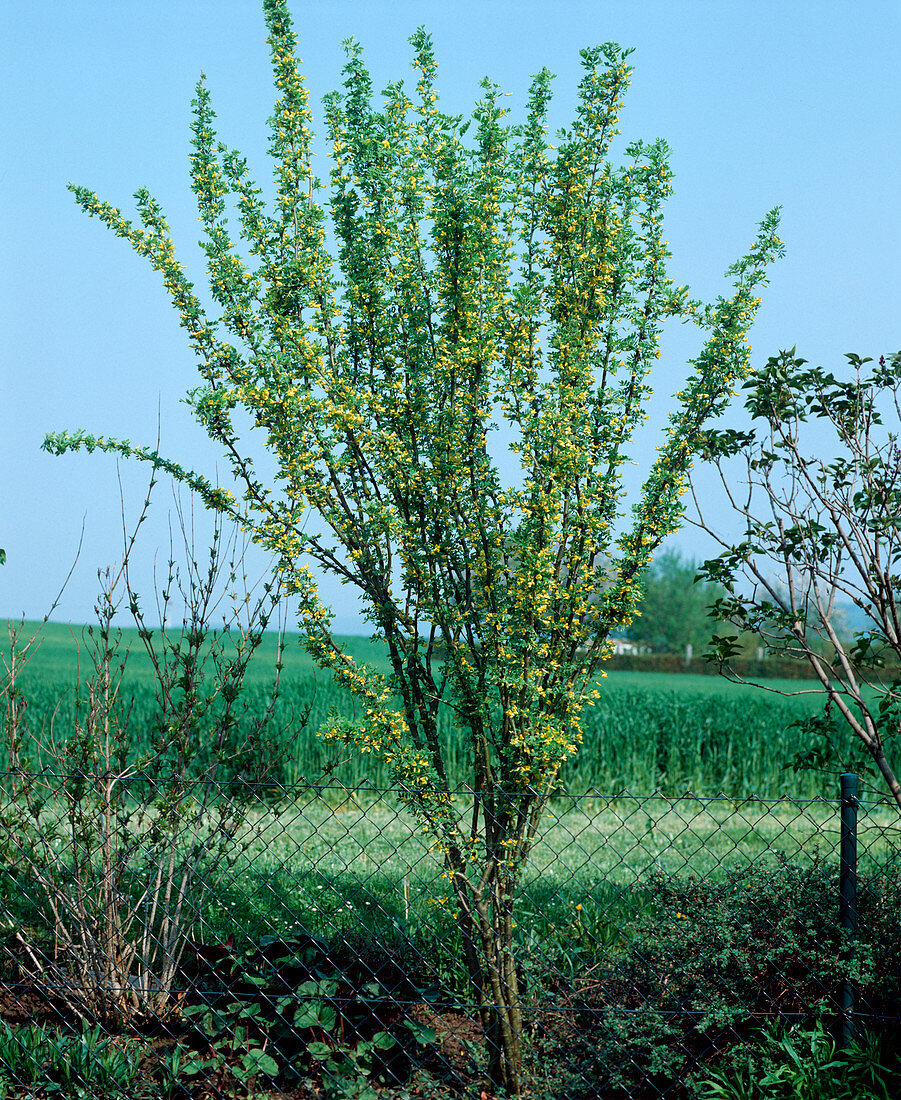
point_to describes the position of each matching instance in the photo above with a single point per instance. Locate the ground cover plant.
(807, 1064)
(477, 279)
(723, 982)
(37, 1062)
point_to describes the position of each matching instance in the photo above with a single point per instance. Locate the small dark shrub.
(712, 967)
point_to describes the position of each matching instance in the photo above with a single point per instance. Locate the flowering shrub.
(478, 282)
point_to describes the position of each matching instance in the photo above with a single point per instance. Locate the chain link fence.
(173, 939)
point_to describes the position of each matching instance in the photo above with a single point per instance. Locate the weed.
(287, 1010)
(83, 1065)
(804, 1064)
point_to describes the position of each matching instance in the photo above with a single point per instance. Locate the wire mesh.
(177, 939)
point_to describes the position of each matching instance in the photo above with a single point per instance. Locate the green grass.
(360, 871)
(326, 868)
(648, 731)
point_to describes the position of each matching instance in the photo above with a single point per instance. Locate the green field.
(647, 732)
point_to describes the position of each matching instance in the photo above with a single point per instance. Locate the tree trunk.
(485, 919)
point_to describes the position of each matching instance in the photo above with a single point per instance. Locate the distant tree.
(817, 485)
(674, 610)
(481, 276)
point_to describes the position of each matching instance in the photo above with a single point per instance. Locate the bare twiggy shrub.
(120, 843)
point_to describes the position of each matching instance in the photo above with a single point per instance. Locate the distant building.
(620, 646)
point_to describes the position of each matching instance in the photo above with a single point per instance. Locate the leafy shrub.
(710, 968)
(120, 845)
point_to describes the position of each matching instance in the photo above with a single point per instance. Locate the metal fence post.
(847, 910)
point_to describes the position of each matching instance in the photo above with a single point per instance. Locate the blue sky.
(763, 104)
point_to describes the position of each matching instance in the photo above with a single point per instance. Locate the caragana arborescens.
(485, 288)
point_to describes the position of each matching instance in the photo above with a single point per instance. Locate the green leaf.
(383, 1040)
(316, 1015)
(258, 1061)
(421, 1032)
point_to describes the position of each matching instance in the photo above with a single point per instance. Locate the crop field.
(647, 732)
